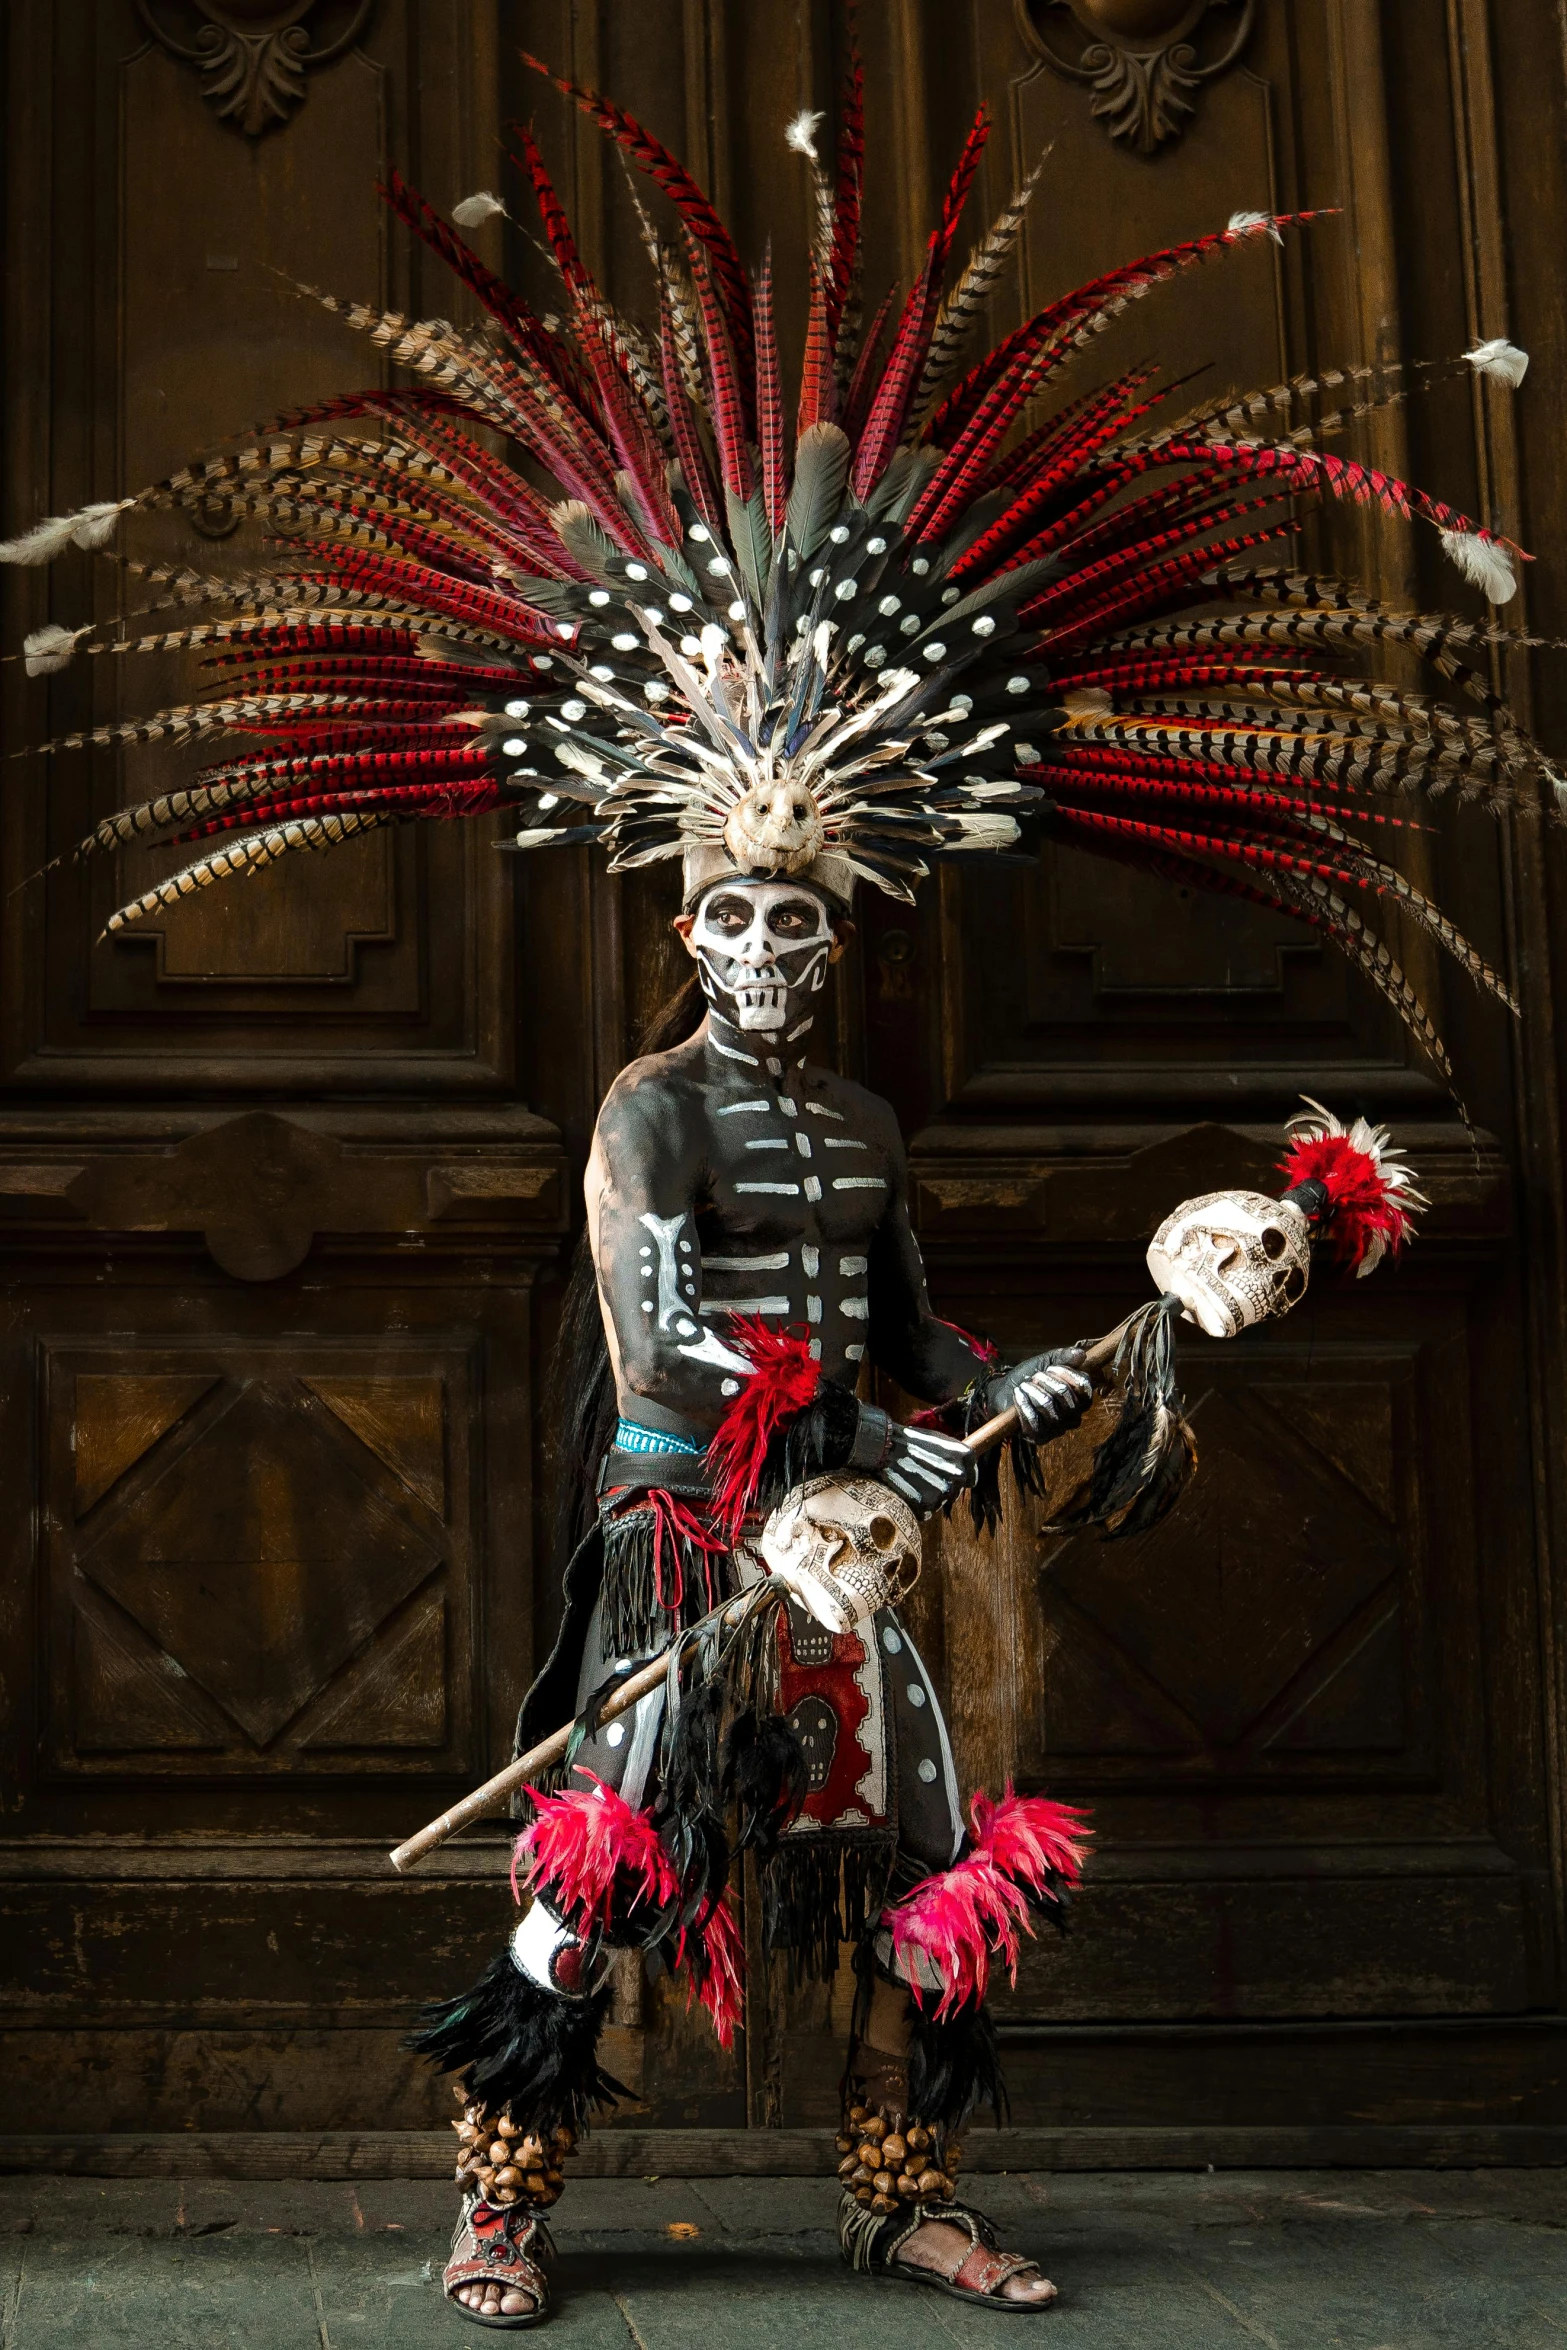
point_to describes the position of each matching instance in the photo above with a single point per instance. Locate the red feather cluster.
(977, 1911)
(1363, 1203)
(784, 1378)
(586, 1852)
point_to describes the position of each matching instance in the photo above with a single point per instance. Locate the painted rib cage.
(944, 602)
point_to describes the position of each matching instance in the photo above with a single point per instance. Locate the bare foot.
(492, 2301)
(943, 2248)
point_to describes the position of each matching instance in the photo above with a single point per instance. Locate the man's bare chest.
(796, 1181)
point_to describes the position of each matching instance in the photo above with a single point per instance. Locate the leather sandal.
(502, 2245)
(871, 2245)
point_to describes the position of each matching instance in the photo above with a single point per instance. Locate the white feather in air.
(474, 211)
(1500, 359)
(89, 526)
(1251, 224)
(1483, 563)
(51, 648)
(801, 133)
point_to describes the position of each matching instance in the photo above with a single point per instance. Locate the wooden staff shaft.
(549, 1750)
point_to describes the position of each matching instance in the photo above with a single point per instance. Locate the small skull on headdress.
(776, 827)
(843, 1547)
(1232, 1258)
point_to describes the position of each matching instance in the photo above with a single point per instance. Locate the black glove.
(928, 1469)
(1051, 1391)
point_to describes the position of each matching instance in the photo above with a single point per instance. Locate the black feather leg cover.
(953, 2061)
(521, 2048)
(955, 2066)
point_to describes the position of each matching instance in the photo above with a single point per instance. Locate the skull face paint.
(762, 949)
(1232, 1258)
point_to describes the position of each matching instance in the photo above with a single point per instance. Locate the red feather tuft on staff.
(1372, 1200)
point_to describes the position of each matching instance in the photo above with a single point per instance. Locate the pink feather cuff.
(1026, 1852)
(605, 1870)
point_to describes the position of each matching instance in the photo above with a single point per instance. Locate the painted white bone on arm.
(640, 1186)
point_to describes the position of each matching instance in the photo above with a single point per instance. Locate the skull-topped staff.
(847, 1547)
(1238, 1257)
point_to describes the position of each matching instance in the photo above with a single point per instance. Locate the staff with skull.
(1227, 1261)
(736, 1673)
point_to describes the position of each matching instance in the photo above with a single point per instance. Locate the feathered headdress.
(834, 643)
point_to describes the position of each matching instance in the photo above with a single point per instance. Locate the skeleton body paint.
(733, 1176)
(762, 953)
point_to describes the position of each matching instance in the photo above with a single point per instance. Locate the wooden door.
(287, 1184)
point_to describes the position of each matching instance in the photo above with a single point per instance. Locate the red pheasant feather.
(537, 578)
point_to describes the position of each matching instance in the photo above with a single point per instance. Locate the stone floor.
(1376, 2260)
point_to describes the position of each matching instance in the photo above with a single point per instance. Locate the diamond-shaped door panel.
(260, 1557)
(1217, 1626)
(402, 1418)
(260, 1561)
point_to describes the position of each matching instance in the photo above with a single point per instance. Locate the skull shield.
(1232, 1258)
(844, 1547)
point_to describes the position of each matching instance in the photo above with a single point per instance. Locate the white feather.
(985, 831)
(474, 211)
(89, 526)
(51, 648)
(1500, 359)
(1483, 563)
(801, 133)
(1251, 224)
(95, 524)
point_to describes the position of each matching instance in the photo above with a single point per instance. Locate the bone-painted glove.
(1051, 1391)
(928, 1469)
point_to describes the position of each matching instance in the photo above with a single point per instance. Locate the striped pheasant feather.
(951, 611)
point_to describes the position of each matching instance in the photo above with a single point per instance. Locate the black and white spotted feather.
(926, 608)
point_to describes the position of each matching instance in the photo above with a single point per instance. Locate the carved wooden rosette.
(1144, 60)
(253, 58)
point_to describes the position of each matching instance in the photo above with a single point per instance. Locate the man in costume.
(933, 611)
(738, 1194)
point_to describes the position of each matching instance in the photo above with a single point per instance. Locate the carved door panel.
(179, 312)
